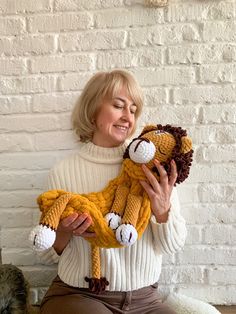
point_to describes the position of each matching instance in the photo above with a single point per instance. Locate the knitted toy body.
(124, 192)
(121, 211)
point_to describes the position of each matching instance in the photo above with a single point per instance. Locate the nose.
(127, 115)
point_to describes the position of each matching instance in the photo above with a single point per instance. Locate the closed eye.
(133, 110)
(121, 107)
(118, 106)
(159, 149)
(120, 103)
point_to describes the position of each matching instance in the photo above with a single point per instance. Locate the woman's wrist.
(162, 217)
(62, 239)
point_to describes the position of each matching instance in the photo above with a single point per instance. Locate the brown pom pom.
(97, 285)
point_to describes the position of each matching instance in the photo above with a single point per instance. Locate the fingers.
(164, 180)
(66, 222)
(82, 223)
(76, 223)
(149, 190)
(173, 173)
(88, 234)
(80, 220)
(151, 178)
(162, 172)
(159, 192)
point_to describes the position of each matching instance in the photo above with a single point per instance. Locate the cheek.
(103, 124)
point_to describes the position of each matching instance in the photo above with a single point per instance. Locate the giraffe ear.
(148, 128)
(186, 144)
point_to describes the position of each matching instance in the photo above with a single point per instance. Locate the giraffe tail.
(97, 284)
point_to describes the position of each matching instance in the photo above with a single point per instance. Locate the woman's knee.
(73, 304)
(162, 309)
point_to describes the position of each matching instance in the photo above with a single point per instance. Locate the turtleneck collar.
(94, 153)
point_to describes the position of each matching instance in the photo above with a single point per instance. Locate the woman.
(104, 118)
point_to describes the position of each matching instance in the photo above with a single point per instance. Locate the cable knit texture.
(127, 268)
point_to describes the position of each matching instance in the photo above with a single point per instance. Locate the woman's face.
(114, 121)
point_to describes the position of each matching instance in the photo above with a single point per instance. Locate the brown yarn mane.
(183, 161)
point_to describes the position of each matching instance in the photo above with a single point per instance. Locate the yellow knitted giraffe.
(121, 211)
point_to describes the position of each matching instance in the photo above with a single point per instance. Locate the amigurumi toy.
(121, 211)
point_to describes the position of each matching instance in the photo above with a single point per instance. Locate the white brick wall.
(183, 56)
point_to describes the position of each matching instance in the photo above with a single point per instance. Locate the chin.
(119, 141)
(121, 137)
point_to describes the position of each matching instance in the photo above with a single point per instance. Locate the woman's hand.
(159, 192)
(75, 224)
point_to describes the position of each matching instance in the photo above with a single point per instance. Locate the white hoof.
(126, 234)
(113, 220)
(42, 238)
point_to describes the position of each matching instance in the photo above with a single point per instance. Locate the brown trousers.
(65, 299)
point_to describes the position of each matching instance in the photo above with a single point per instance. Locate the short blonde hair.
(102, 85)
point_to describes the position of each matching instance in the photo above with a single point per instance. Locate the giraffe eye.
(159, 132)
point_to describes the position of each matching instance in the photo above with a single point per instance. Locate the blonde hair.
(102, 85)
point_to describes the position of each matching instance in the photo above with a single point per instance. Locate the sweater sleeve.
(50, 256)
(170, 237)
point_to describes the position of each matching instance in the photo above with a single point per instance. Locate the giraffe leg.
(126, 233)
(43, 236)
(114, 217)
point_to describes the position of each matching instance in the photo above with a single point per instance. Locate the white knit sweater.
(127, 268)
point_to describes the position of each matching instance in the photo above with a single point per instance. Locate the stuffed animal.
(121, 211)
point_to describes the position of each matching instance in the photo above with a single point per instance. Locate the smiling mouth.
(123, 128)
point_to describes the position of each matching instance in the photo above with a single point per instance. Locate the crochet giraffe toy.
(121, 211)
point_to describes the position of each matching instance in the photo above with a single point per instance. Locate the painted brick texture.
(184, 57)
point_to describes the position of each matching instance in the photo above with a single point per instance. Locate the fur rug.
(14, 291)
(187, 305)
(14, 296)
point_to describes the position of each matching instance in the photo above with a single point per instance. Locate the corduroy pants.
(65, 299)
